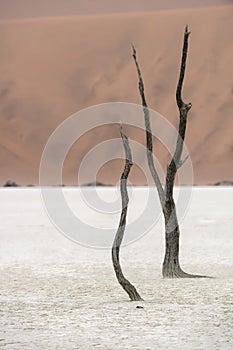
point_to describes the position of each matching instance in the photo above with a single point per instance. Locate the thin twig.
(181, 162)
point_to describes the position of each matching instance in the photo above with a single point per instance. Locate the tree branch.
(179, 100)
(181, 162)
(183, 109)
(126, 285)
(149, 142)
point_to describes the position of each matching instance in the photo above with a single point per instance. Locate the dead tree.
(171, 265)
(126, 285)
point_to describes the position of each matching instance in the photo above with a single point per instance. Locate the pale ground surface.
(56, 294)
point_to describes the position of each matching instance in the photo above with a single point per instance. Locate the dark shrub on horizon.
(10, 183)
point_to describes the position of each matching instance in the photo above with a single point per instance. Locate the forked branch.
(126, 285)
(176, 162)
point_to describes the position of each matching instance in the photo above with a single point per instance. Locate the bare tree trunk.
(126, 285)
(171, 266)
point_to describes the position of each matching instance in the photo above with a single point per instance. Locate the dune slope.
(51, 68)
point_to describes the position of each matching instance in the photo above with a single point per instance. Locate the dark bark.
(183, 110)
(171, 266)
(126, 285)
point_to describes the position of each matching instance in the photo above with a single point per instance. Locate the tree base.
(131, 291)
(175, 271)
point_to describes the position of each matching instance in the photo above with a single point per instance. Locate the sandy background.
(51, 67)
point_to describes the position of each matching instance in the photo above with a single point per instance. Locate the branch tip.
(121, 129)
(134, 50)
(186, 31)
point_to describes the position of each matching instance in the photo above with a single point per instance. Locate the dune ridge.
(47, 8)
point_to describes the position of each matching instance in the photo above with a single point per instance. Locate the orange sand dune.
(51, 68)
(51, 8)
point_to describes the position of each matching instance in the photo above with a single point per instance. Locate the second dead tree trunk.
(126, 285)
(171, 266)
